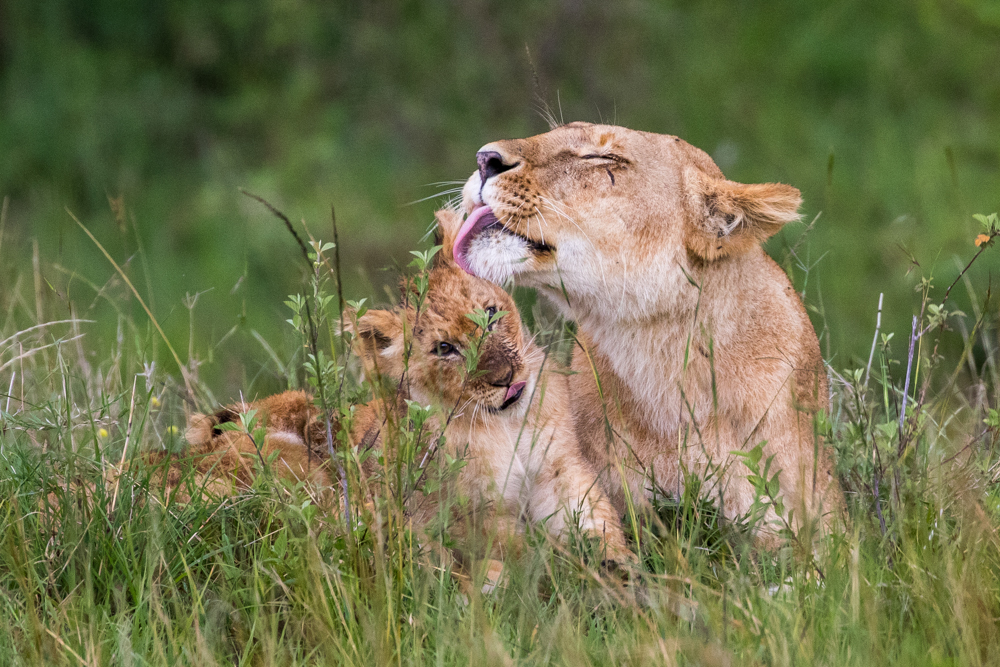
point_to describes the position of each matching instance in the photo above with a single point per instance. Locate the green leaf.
(422, 259)
(990, 223)
(248, 420)
(229, 426)
(359, 307)
(889, 429)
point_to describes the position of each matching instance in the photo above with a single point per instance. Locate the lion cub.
(511, 420)
(220, 461)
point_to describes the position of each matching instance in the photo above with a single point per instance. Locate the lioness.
(700, 343)
(510, 419)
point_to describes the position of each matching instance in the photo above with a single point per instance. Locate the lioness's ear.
(449, 222)
(379, 340)
(729, 218)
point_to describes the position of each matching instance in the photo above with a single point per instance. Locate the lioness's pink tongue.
(513, 389)
(477, 221)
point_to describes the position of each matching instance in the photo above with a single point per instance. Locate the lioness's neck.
(658, 354)
(681, 294)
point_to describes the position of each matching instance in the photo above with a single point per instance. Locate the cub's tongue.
(514, 390)
(477, 221)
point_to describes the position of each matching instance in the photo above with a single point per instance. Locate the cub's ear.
(202, 428)
(199, 429)
(728, 218)
(379, 340)
(449, 222)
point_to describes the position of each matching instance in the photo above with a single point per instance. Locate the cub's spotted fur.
(227, 460)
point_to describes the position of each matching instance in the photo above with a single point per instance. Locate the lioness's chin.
(497, 256)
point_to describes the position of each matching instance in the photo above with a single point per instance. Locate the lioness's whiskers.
(598, 255)
(442, 193)
(541, 229)
(511, 217)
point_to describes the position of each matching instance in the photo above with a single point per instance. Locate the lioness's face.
(607, 215)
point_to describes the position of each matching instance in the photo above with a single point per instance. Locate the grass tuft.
(101, 564)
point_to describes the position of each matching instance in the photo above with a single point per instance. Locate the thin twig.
(336, 265)
(321, 385)
(967, 267)
(288, 223)
(878, 325)
(906, 383)
(340, 297)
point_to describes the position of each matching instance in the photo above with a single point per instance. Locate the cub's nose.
(492, 163)
(499, 373)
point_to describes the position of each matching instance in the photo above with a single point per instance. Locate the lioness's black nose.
(490, 164)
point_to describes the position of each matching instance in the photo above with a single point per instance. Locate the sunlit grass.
(102, 567)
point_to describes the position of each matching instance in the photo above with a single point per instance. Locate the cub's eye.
(443, 349)
(490, 312)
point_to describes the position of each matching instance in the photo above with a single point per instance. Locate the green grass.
(101, 570)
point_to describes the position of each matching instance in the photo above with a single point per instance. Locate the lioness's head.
(428, 349)
(609, 215)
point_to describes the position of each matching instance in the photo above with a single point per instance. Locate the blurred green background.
(144, 118)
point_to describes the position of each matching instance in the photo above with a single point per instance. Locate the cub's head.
(605, 215)
(428, 349)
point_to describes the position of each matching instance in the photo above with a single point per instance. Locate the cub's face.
(431, 347)
(443, 332)
(607, 215)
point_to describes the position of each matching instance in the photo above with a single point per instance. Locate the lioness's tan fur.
(701, 345)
